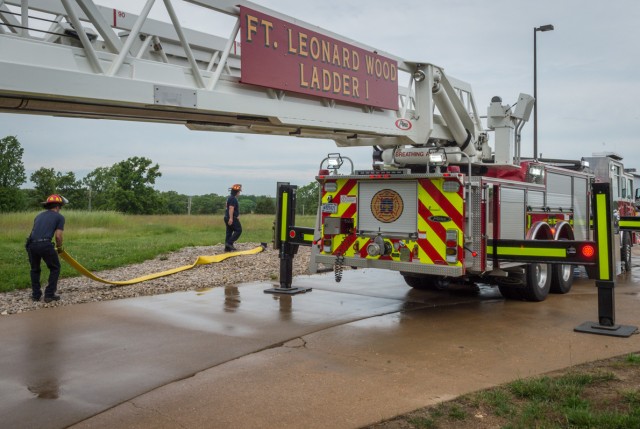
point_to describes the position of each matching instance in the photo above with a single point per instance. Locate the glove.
(60, 249)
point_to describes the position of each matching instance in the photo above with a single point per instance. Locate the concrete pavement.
(343, 355)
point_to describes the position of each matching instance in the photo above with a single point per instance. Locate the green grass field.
(103, 240)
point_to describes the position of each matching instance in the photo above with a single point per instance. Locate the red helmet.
(236, 187)
(55, 200)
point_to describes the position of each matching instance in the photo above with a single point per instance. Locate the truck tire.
(562, 274)
(426, 282)
(511, 286)
(562, 278)
(625, 252)
(538, 282)
(510, 292)
(413, 281)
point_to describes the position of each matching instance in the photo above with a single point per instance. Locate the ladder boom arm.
(171, 74)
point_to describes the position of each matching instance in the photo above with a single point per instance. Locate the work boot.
(48, 299)
(35, 298)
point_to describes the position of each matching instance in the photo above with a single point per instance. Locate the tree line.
(126, 186)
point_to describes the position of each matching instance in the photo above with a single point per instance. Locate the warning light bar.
(381, 173)
(544, 251)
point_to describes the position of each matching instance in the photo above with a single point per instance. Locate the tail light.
(326, 245)
(451, 242)
(588, 251)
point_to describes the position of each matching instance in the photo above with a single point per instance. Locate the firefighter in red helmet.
(47, 226)
(231, 221)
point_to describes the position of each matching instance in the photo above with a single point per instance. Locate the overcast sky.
(588, 89)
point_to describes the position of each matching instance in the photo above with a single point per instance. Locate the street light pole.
(547, 27)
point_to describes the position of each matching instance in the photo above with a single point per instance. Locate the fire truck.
(608, 167)
(433, 221)
(446, 197)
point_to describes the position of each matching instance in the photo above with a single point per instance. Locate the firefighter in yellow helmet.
(47, 226)
(231, 221)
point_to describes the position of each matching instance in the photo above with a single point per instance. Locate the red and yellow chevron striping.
(440, 208)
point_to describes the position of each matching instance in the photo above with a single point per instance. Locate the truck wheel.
(538, 282)
(562, 278)
(625, 252)
(511, 286)
(509, 292)
(426, 282)
(414, 282)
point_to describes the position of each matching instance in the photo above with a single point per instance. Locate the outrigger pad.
(288, 290)
(612, 331)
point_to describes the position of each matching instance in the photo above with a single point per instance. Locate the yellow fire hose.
(202, 260)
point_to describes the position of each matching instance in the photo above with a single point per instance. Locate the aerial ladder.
(98, 62)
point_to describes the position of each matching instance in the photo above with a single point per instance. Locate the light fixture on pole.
(547, 27)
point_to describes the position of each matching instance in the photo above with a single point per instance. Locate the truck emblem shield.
(387, 206)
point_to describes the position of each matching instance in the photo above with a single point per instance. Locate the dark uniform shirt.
(232, 201)
(46, 224)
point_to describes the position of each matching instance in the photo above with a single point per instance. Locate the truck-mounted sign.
(281, 55)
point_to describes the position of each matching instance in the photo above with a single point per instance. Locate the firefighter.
(231, 221)
(47, 226)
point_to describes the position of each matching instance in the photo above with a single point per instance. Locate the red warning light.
(588, 251)
(292, 234)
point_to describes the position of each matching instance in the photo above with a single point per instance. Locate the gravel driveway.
(240, 269)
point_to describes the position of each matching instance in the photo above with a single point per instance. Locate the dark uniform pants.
(233, 231)
(43, 251)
